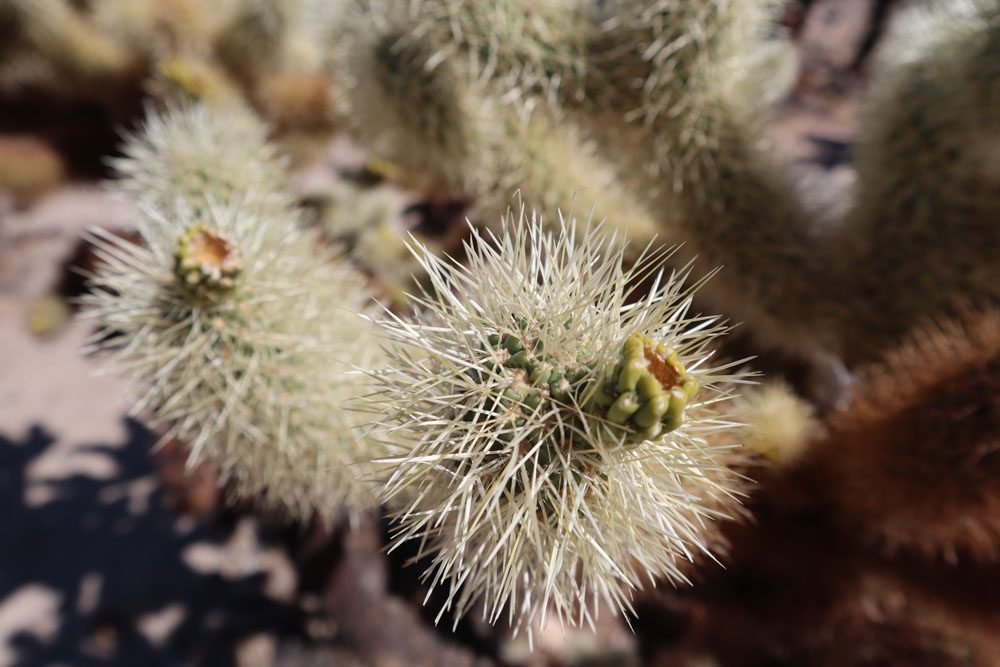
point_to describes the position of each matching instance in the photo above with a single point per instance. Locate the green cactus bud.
(520, 360)
(651, 411)
(533, 400)
(648, 387)
(512, 344)
(623, 408)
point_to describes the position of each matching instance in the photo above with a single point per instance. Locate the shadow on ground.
(114, 555)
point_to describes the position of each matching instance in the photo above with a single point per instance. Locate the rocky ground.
(110, 555)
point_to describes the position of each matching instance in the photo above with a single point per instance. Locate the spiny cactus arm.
(199, 154)
(913, 461)
(683, 86)
(407, 101)
(417, 107)
(562, 441)
(674, 93)
(239, 333)
(928, 201)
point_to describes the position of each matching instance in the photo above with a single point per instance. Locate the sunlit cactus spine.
(928, 197)
(563, 433)
(240, 333)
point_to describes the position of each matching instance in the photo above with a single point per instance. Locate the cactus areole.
(208, 261)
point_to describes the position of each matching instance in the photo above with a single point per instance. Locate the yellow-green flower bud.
(652, 385)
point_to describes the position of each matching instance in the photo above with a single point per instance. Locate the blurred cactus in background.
(676, 95)
(928, 201)
(913, 461)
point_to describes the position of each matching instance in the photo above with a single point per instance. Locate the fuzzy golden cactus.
(780, 425)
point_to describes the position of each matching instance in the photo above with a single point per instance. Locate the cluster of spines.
(239, 331)
(521, 455)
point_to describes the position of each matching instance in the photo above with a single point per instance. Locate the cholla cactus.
(77, 53)
(239, 333)
(193, 152)
(563, 429)
(929, 172)
(414, 105)
(913, 460)
(673, 91)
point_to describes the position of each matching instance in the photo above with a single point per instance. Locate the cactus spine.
(238, 331)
